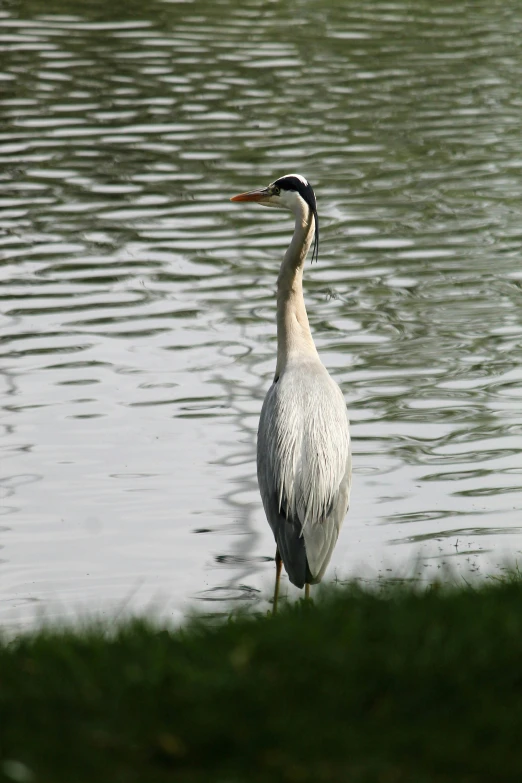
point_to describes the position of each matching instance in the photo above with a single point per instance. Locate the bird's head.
(288, 192)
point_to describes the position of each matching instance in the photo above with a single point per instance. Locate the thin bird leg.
(307, 592)
(279, 564)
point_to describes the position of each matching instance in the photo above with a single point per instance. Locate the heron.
(304, 461)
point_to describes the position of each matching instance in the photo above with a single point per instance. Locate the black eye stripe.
(290, 182)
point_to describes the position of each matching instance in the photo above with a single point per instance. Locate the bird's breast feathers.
(305, 438)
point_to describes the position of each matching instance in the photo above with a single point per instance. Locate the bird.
(304, 460)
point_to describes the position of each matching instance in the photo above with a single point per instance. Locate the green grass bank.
(363, 687)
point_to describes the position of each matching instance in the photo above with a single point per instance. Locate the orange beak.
(252, 195)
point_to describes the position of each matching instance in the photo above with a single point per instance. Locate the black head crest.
(302, 186)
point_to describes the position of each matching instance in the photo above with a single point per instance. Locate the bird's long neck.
(293, 330)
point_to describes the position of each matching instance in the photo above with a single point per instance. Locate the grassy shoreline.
(363, 687)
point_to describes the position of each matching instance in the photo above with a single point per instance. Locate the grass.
(362, 687)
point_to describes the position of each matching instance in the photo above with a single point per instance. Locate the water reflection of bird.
(303, 447)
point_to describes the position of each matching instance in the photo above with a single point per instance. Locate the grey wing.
(320, 539)
(287, 531)
(304, 471)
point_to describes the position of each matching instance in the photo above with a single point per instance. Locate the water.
(137, 326)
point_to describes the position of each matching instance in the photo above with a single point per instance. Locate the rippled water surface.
(137, 325)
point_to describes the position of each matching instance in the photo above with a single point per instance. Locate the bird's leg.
(307, 592)
(279, 564)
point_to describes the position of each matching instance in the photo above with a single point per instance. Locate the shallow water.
(137, 326)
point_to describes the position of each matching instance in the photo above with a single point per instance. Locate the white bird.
(304, 461)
